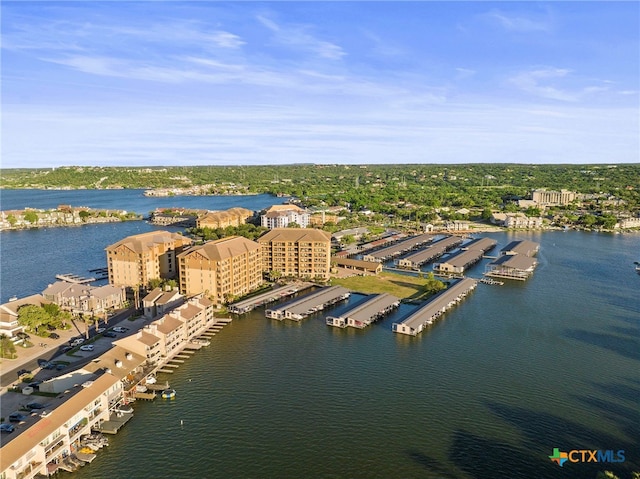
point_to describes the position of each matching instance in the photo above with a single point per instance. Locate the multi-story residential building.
(137, 259)
(143, 343)
(516, 220)
(280, 216)
(158, 302)
(543, 197)
(222, 219)
(222, 269)
(45, 442)
(83, 298)
(302, 252)
(9, 313)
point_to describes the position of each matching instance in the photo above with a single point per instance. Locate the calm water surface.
(485, 393)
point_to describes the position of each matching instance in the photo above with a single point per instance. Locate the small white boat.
(151, 379)
(141, 388)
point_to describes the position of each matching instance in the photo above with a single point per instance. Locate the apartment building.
(85, 299)
(222, 269)
(137, 259)
(542, 197)
(47, 440)
(222, 219)
(9, 313)
(280, 216)
(302, 252)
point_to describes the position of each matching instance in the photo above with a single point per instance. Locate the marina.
(437, 249)
(399, 248)
(469, 255)
(366, 312)
(271, 296)
(433, 309)
(309, 304)
(516, 261)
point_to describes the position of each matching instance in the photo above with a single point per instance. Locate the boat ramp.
(365, 313)
(309, 304)
(270, 296)
(432, 310)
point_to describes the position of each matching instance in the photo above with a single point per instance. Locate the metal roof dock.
(430, 253)
(399, 248)
(309, 304)
(270, 296)
(431, 311)
(365, 313)
(484, 244)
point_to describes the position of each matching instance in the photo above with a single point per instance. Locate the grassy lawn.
(399, 285)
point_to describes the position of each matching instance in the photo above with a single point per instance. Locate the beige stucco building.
(222, 219)
(222, 269)
(302, 252)
(137, 259)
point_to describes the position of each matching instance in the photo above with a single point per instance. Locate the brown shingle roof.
(295, 235)
(224, 248)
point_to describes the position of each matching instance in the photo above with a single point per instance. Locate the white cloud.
(299, 37)
(547, 83)
(518, 23)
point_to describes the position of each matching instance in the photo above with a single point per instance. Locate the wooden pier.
(74, 278)
(115, 422)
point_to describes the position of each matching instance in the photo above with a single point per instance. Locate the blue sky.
(225, 83)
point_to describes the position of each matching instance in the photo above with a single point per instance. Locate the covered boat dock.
(427, 314)
(365, 313)
(399, 248)
(275, 294)
(430, 253)
(309, 304)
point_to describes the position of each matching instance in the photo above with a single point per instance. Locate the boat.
(141, 388)
(637, 263)
(168, 393)
(151, 379)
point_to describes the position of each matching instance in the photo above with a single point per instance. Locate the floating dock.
(115, 422)
(427, 314)
(309, 304)
(74, 278)
(398, 248)
(430, 253)
(287, 290)
(365, 313)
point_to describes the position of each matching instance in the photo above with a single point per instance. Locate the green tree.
(7, 348)
(32, 317)
(84, 214)
(31, 217)
(12, 220)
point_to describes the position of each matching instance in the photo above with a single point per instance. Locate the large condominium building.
(280, 216)
(222, 219)
(226, 268)
(302, 252)
(137, 259)
(543, 197)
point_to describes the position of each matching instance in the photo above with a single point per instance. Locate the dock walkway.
(365, 313)
(427, 314)
(249, 304)
(309, 304)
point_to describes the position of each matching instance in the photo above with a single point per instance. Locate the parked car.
(100, 330)
(42, 362)
(17, 417)
(77, 342)
(54, 336)
(6, 427)
(48, 366)
(120, 329)
(22, 335)
(87, 347)
(60, 366)
(109, 334)
(23, 372)
(51, 327)
(34, 405)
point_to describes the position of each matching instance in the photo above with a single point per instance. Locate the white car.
(77, 342)
(87, 347)
(100, 330)
(119, 329)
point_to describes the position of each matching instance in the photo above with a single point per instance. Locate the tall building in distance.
(543, 197)
(222, 219)
(222, 269)
(136, 259)
(303, 252)
(281, 216)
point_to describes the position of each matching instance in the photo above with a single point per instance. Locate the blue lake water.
(485, 393)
